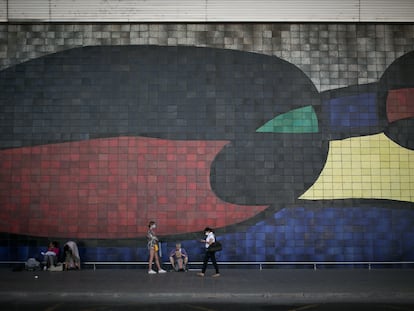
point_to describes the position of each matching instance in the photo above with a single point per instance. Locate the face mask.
(153, 226)
(206, 233)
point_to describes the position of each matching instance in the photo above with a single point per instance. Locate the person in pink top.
(51, 255)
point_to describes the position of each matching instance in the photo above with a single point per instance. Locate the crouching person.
(72, 259)
(179, 258)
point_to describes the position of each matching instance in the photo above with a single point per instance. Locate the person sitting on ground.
(51, 255)
(179, 258)
(72, 259)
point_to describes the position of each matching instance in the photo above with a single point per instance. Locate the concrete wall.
(293, 140)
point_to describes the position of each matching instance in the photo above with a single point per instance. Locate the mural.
(97, 141)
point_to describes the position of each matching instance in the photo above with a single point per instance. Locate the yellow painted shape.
(367, 167)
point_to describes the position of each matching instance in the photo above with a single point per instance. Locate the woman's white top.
(210, 237)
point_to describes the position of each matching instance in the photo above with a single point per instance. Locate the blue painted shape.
(355, 111)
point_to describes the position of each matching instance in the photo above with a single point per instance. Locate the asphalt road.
(108, 306)
(235, 289)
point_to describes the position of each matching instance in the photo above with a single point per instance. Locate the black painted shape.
(268, 168)
(163, 92)
(402, 133)
(399, 75)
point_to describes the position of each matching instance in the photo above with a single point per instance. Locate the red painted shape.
(111, 188)
(400, 104)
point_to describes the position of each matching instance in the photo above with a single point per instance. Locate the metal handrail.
(260, 264)
(315, 264)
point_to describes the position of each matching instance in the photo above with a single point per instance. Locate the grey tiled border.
(332, 55)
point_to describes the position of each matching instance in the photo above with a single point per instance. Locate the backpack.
(32, 264)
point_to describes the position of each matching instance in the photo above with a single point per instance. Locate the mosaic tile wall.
(294, 141)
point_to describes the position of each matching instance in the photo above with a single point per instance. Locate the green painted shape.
(301, 120)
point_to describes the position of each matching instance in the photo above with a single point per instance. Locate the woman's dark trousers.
(212, 256)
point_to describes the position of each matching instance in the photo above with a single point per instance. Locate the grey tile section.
(332, 55)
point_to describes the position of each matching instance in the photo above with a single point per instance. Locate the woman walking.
(210, 239)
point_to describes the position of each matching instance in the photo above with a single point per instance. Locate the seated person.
(50, 256)
(72, 259)
(178, 258)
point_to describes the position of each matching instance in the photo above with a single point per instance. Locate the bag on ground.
(32, 264)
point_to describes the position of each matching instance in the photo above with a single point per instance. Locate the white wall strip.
(3, 10)
(387, 11)
(207, 10)
(282, 10)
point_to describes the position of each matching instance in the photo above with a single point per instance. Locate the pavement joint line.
(266, 297)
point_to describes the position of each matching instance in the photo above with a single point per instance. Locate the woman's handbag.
(215, 247)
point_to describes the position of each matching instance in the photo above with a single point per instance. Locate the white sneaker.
(162, 271)
(151, 272)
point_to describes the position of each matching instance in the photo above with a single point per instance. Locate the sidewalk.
(234, 285)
